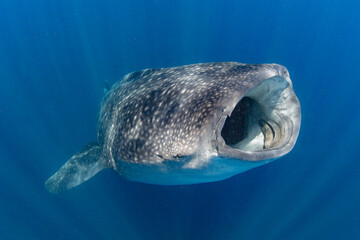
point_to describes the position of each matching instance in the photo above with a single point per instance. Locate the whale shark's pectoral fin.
(78, 169)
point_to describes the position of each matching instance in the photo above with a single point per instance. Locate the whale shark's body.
(189, 124)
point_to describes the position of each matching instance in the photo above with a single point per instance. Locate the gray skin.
(189, 124)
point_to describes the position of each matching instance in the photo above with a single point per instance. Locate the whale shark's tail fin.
(78, 169)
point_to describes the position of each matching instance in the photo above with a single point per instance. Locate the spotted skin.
(156, 123)
(161, 113)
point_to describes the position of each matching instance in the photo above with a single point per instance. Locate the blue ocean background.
(55, 57)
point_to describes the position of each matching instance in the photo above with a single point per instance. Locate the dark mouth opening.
(246, 123)
(264, 119)
(263, 124)
(234, 129)
(249, 127)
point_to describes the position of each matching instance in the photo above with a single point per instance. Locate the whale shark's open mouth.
(264, 124)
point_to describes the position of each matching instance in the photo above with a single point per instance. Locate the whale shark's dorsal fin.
(107, 86)
(78, 169)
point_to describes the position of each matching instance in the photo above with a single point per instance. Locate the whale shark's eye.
(286, 73)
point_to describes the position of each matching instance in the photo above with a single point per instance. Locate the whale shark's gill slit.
(268, 132)
(235, 127)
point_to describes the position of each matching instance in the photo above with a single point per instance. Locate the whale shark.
(189, 124)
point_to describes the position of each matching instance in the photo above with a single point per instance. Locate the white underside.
(177, 173)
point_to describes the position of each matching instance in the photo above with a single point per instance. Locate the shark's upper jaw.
(263, 125)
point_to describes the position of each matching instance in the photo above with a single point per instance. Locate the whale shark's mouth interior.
(266, 118)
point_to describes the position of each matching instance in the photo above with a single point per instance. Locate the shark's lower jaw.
(263, 125)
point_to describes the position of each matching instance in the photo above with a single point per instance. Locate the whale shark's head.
(233, 117)
(262, 120)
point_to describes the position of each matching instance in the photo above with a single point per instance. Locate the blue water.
(55, 57)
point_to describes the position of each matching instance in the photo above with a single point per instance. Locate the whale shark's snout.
(264, 124)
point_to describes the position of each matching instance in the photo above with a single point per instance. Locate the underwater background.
(55, 57)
